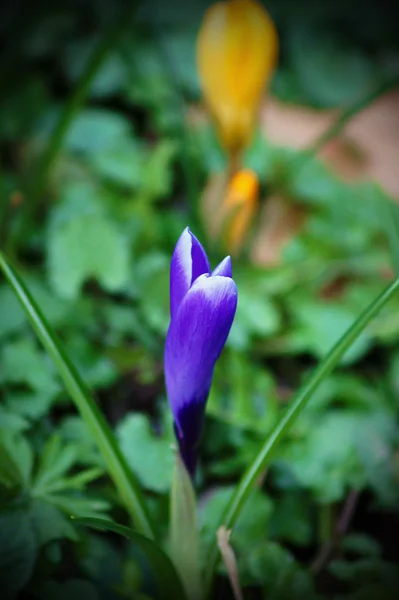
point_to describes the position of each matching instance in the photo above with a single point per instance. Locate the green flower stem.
(252, 474)
(115, 462)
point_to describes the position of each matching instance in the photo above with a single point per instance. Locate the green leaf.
(103, 562)
(152, 277)
(12, 422)
(323, 370)
(79, 589)
(361, 545)
(32, 405)
(330, 72)
(150, 457)
(54, 463)
(95, 130)
(167, 579)
(96, 369)
(256, 317)
(87, 247)
(369, 578)
(319, 463)
(23, 362)
(122, 165)
(281, 576)
(233, 401)
(320, 325)
(184, 547)
(74, 429)
(291, 519)
(110, 76)
(157, 172)
(18, 550)
(79, 506)
(11, 315)
(50, 523)
(102, 434)
(16, 460)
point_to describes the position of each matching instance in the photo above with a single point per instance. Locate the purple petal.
(189, 261)
(196, 336)
(224, 268)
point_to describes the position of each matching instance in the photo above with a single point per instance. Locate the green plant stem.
(349, 113)
(390, 221)
(250, 477)
(118, 469)
(325, 523)
(36, 190)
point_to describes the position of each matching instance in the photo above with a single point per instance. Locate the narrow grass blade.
(115, 462)
(167, 579)
(350, 112)
(249, 478)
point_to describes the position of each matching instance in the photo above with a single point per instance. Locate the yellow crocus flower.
(239, 207)
(236, 54)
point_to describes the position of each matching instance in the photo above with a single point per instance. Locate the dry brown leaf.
(229, 559)
(376, 132)
(366, 149)
(280, 220)
(294, 126)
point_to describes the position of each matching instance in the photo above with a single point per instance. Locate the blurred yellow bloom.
(236, 53)
(239, 207)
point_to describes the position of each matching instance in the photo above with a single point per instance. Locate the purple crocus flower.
(202, 307)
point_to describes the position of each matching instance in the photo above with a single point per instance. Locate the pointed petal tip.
(189, 261)
(224, 269)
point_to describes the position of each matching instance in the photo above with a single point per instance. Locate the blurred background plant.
(108, 151)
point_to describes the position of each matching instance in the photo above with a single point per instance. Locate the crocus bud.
(202, 306)
(239, 207)
(236, 55)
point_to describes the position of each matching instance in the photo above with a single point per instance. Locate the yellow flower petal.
(239, 207)
(236, 55)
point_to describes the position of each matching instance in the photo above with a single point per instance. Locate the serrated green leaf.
(55, 461)
(87, 247)
(103, 436)
(16, 460)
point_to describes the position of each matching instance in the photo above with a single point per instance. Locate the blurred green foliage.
(92, 228)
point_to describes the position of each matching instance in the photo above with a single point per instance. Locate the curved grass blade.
(114, 460)
(249, 478)
(167, 579)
